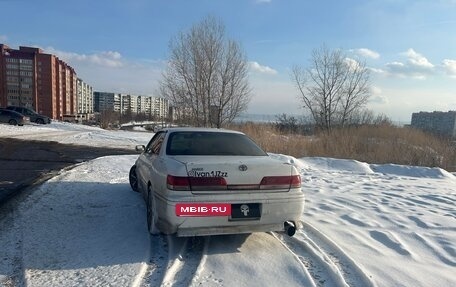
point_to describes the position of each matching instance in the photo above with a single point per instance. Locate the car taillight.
(195, 183)
(295, 181)
(280, 182)
(177, 182)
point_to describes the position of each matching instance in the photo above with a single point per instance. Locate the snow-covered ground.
(69, 133)
(364, 225)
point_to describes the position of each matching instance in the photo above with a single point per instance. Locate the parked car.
(34, 116)
(13, 118)
(199, 181)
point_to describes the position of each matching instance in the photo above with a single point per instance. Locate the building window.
(24, 73)
(12, 73)
(25, 61)
(26, 68)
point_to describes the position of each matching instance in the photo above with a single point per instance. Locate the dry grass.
(372, 144)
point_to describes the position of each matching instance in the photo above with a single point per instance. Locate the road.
(25, 162)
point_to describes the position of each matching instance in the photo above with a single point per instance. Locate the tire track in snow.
(156, 266)
(325, 261)
(352, 273)
(174, 260)
(158, 262)
(321, 269)
(199, 270)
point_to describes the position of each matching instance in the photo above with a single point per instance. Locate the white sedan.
(201, 181)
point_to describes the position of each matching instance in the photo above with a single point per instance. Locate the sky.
(122, 46)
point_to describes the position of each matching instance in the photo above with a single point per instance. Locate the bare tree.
(333, 87)
(108, 119)
(206, 77)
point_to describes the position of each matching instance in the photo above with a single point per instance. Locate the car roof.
(19, 107)
(198, 129)
(11, 111)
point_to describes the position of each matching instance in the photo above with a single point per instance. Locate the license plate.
(245, 211)
(203, 209)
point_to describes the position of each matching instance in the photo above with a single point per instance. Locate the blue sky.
(122, 46)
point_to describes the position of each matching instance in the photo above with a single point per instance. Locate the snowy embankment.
(378, 225)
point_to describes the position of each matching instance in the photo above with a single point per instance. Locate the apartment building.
(159, 107)
(84, 98)
(85, 109)
(441, 123)
(103, 101)
(135, 104)
(31, 78)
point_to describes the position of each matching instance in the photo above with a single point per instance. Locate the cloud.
(450, 67)
(110, 59)
(367, 53)
(377, 96)
(263, 1)
(417, 60)
(379, 100)
(256, 67)
(377, 71)
(352, 64)
(109, 71)
(416, 66)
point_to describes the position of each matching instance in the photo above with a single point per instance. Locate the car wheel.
(133, 178)
(151, 214)
(12, 122)
(39, 121)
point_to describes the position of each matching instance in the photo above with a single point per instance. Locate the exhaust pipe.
(290, 228)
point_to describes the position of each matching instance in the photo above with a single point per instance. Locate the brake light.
(177, 182)
(295, 181)
(184, 183)
(280, 182)
(195, 183)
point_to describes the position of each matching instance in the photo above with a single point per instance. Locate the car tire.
(39, 121)
(151, 214)
(12, 122)
(133, 178)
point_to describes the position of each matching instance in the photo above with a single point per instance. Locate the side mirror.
(140, 148)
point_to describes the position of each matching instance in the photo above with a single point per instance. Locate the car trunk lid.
(218, 174)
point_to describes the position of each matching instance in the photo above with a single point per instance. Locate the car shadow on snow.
(224, 244)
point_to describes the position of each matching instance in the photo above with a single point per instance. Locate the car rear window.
(212, 143)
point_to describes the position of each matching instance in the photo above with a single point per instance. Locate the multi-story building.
(441, 123)
(160, 107)
(31, 78)
(145, 105)
(106, 102)
(134, 104)
(84, 101)
(129, 104)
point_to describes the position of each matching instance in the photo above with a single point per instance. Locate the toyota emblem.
(242, 167)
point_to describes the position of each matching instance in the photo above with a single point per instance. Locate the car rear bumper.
(237, 229)
(274, 210)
